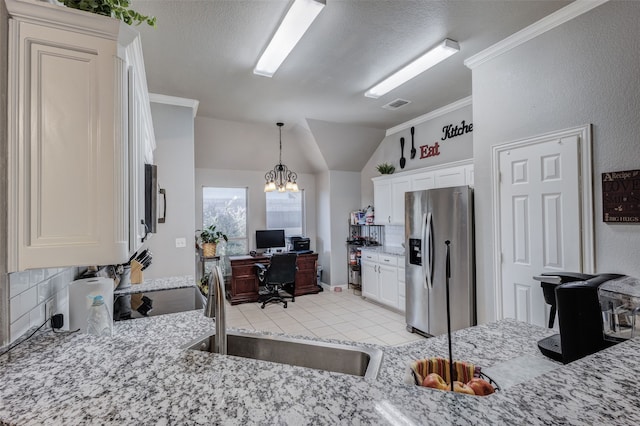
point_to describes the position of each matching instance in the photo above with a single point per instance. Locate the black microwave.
(151, 192)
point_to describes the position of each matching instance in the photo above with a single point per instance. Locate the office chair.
(280, 272)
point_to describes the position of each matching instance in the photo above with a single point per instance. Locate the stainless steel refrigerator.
(432, 217)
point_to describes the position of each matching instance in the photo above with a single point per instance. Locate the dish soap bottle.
(99, 321)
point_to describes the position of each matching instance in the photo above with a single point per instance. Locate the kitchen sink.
(339, 358)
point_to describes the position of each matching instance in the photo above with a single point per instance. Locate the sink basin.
(355, 360)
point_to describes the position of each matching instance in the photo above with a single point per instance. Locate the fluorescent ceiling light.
(420, 65)
(297, 21)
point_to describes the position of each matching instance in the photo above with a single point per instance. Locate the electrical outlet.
(181, 242)
(48, 309)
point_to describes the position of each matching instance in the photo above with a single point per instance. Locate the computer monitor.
(270, 238)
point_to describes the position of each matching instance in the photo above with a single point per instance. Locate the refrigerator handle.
(429, 259)
(423, 243)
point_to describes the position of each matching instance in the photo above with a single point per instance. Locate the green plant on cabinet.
(385, 168)
(118, 9)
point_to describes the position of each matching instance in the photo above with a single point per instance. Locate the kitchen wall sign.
(427, 151)
(621, 197)
(450, 131)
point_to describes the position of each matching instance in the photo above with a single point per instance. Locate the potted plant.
(385, 168)
(203, 284)
(209, 239)
(118, 9)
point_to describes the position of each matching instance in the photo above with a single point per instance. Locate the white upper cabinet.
(399, 186)
(453, 176)
(388, 197)
(71, 150)
(420, 181)
(389, 190)
(382, 201)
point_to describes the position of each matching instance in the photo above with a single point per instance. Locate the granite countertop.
(157, 284)
(142, 376)
(393, 250)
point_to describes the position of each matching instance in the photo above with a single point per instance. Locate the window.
(227, 209)
(285, 210)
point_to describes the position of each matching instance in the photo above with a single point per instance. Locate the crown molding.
(173, 100)
(56, 15)
(545, 24)
(430, 115)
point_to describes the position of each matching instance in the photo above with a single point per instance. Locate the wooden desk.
(243, 285)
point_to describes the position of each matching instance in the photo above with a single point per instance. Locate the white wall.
(4, 284)
(585, 71)
(344, 196)
(344, 146)
(323, 244)
(233, 145)
(256, 203)
(338, 195)
(174, 155)
(426, 133)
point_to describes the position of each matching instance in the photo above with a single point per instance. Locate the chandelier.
(280, 178)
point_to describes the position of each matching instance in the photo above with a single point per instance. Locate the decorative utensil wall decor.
(403, 160)
(413, 148)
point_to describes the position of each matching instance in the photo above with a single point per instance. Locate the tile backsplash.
(30, 290)
(393, 235)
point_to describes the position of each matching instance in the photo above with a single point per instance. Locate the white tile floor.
(335, 315)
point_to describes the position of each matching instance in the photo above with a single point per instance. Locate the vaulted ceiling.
(206, 50)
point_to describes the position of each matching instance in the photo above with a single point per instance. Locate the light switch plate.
(181, 242)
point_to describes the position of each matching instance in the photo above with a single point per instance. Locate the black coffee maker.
(574, 297)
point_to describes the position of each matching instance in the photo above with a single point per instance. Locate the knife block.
(136, 272)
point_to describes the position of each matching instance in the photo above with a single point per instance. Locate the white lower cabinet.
(388, 281)
(380, 279)
(370, 285)
(402, 305)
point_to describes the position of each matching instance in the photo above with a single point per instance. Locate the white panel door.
(540, 222)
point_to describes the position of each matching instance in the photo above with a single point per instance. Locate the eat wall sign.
(621, 197)
(449, 131)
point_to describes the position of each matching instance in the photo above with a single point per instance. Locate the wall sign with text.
(621, 197)
(449, 131)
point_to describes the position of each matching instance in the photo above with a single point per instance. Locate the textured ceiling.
(206, 50)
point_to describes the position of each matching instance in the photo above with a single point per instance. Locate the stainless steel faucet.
(215, 309)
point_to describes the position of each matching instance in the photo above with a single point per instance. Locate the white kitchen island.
(142, 376)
